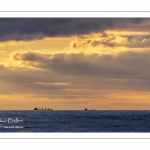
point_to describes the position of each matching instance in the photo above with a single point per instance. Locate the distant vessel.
(35, 108)
(42, 108)
(90, 109)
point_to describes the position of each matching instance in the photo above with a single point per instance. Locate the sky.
(75, 63)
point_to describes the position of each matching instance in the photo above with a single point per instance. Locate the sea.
(75, 121)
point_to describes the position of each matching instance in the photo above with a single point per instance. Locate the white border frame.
(74, 14)
(80, 14)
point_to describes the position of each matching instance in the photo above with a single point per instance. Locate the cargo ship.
(42, 108)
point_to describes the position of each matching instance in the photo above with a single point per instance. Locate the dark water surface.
(75, 121)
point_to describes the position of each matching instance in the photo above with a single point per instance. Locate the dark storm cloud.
(37, 28)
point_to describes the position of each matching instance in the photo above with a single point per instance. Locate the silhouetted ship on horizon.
(90, 109)
(42, 108)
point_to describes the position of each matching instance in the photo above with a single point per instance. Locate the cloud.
(139, 41)
(125, 71)
(27, 56)
(105, 65)
(38, 28)
(97, 42)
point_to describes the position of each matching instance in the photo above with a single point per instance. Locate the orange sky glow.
(73, 64)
